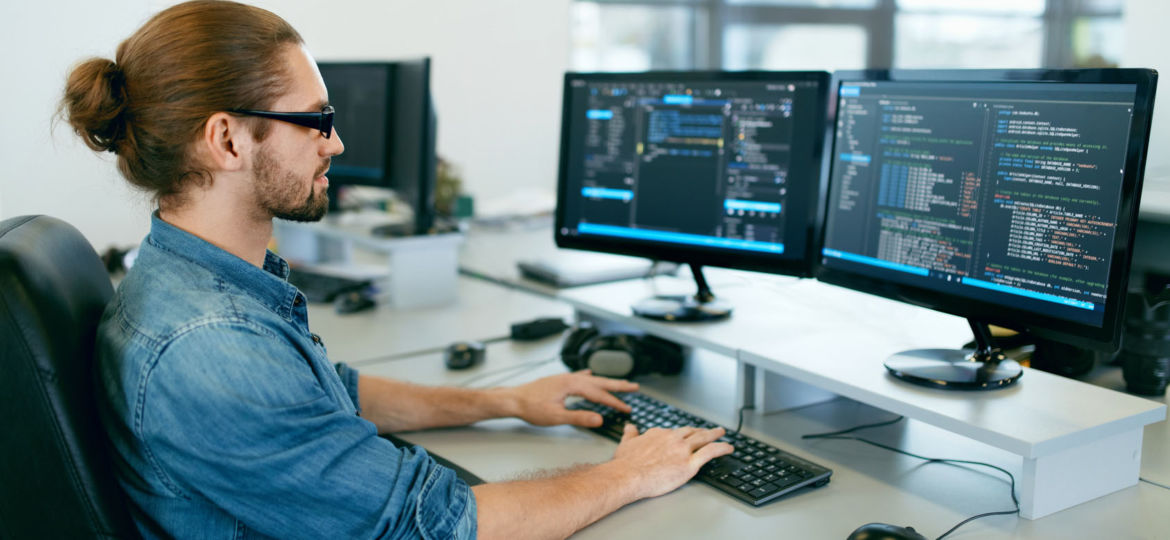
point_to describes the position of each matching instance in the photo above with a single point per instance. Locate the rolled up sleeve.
(230, 415)
(349, 377)
(457, 518)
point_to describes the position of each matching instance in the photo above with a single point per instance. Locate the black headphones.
(620, 356)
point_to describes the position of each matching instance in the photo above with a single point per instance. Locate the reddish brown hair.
(186, 63)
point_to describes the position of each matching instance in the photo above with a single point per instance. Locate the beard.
(278, 190)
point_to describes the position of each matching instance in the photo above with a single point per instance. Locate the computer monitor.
(701, 168)
(387, 119)
(1006, 197)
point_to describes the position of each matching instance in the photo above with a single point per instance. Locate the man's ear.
(226, 142)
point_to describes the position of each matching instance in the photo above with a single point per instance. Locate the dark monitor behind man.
(389, 108)
(224, 411)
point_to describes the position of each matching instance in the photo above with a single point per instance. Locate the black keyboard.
(318, 287)
(757, 473)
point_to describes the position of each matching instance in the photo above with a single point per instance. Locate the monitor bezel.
(1104, 337)
(801, 266)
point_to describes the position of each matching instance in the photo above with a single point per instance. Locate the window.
(621, 37)
(794, 47)
(625, 35)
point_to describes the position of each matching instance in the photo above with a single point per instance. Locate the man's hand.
(661, 460)
(542, 402)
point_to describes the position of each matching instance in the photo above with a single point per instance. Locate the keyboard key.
(786, 482)
(760, 492)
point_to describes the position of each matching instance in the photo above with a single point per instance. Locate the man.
(227, 418)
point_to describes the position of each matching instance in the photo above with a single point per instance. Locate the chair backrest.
(56, 473)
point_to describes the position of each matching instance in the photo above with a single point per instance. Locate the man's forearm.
(400, 406)
(553, 507)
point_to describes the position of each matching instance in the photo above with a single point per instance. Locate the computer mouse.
(885, 531)
(463, 354)
(352, 302)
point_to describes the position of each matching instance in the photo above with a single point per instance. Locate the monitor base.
(703, 306)
(953, 369)
(682, 308)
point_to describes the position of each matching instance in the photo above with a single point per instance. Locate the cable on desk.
(418, 352)
(1153, 483)
(533, 330)
(840, 435)
(516, 368)
(852, 429)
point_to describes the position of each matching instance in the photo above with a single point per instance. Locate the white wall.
(496, 77)
(1147, 44)
(52, 172)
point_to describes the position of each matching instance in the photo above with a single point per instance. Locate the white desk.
(835, 339)
(868, 484)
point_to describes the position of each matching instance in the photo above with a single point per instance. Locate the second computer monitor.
(705, 168)
(1006, 197)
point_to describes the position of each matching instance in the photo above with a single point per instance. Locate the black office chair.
(56, 474)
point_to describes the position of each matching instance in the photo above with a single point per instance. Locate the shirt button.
(297, 300)
(316, 339)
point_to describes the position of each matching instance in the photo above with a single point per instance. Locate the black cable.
(1153, 483)
(533, 330)
(516, 368)
(840, 436)
(739, 425)
(852, 429)
(419, 352)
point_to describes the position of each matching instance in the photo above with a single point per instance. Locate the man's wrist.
(624, 481)
(502, 402)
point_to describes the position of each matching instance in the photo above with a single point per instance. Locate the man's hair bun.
(95, 103)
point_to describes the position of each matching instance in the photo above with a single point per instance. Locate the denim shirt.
(229, 421)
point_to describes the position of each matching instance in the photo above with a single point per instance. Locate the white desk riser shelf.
(1077, 441)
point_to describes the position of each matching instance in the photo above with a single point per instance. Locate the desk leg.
(1070, 477)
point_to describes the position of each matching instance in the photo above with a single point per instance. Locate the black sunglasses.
(322, 121)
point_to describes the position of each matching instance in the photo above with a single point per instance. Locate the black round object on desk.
(353, 302)
(885, 531)
(463, 354)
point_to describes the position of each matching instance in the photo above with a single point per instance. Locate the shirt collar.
(268, 285)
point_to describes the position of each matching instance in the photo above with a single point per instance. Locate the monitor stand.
(985, 368)
(703, 306)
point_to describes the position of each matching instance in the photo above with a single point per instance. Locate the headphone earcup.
(612, 355)
(571, 353)
(657, 355)
(619, 356)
